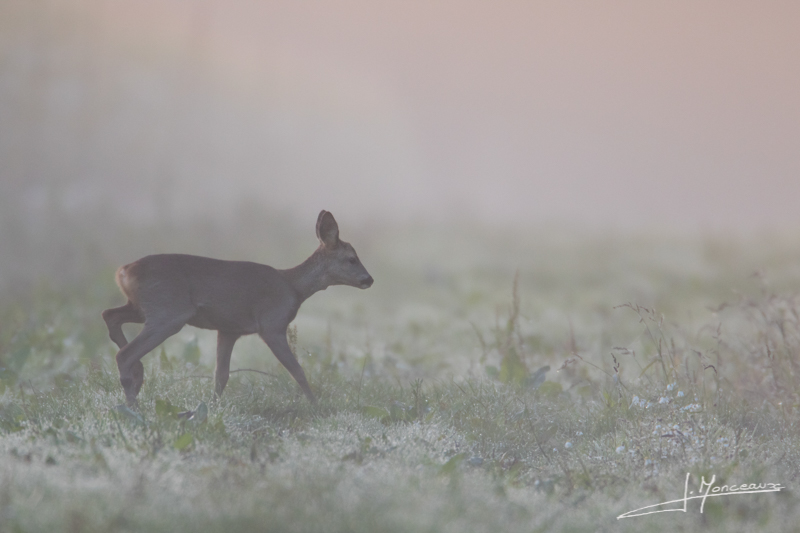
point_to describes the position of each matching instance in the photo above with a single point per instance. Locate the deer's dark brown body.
(235, 298)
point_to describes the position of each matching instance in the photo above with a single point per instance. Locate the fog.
(602, 116)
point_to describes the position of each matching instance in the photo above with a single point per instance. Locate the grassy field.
(485, 383)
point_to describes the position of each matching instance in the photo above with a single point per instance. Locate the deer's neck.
(308, 277)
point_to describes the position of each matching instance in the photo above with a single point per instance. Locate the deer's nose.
(366, 282)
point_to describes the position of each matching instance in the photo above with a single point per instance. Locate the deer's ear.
(327, 229)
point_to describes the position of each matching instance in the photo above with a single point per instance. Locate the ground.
(487, 381)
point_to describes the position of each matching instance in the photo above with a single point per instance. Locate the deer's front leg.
(276, 340)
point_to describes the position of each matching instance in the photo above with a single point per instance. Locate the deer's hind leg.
(117, 316)
(225, 342)
(131, 370)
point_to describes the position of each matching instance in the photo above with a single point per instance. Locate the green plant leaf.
(550, 389)
(165, 409)
(182, 442)
(450, 466)
(200, 414)
(512, 369)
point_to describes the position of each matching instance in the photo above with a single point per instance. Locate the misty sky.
(634, 115)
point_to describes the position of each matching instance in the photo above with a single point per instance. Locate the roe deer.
(166, 292)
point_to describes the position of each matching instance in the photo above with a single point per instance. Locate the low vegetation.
(455, 395)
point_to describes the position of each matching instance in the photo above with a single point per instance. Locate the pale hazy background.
(678, 116)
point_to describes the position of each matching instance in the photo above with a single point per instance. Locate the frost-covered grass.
(437, 410)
